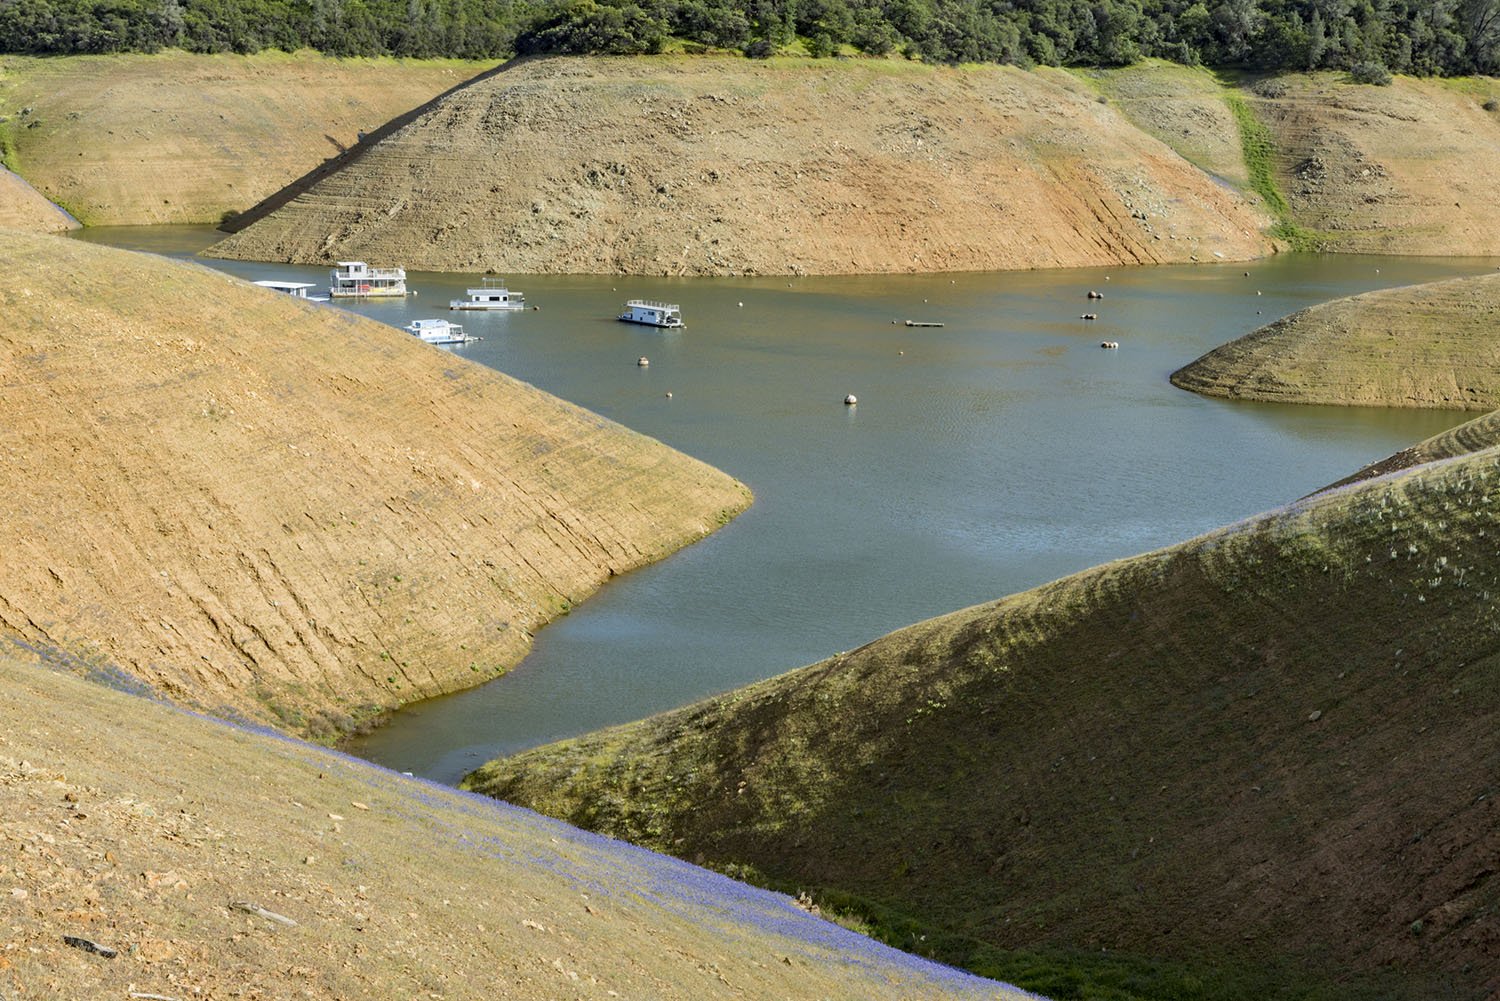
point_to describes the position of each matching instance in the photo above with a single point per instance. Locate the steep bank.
(713, 165)
(1431, 345)
(138, 828)
(136, 140)
(263, 507)
(1472, 436)
(1407, 169)
(21, 207)
(1273, 744)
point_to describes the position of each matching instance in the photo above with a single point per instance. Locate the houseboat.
(438, 332)
(492, 296)
(652, 313)
(297, 290)
(353, 279)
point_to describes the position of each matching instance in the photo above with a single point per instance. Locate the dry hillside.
(1472, 436)
(266, 507)
(1412, 168)
(136, 140)
(1431, 345)
(21, 207)
(138, 828)
(714, 165)
(1273, 747)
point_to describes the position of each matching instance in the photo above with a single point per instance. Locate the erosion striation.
(212, 863)
(270, 508)
(714, 165)
(1430, 345)
(1269, 747)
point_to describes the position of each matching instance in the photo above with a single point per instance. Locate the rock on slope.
(22, 208)
(139, 828)
(1430, 345)
(133, 140)
(1274, 745)
(261, 506)
(1407, 169)
(708, 165)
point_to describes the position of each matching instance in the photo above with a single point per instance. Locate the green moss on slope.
(1271, 747)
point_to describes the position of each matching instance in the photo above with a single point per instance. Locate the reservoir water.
(999, 451)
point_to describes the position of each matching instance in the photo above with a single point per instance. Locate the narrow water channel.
(994, 453)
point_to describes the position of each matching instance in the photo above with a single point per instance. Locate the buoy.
(1257, 292)
(901, 352)
(1109, 345)
(535, 308)
(1089, 316)
(1095, 295)
(669, 394)
(850, 400)
(643, 361)
(742, 305)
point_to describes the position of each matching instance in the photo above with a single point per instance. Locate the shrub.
(760, 48)
(1371, 72)
(1491, 105)
(1270, 87)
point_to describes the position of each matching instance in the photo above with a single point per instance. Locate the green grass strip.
(1260, 152)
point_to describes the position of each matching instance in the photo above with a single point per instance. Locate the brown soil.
(1182, 106)
(1431, 345)
(176, 138)
(711, 165)
(1274, 744)
(21, 207)
(138, 828)
(285, 511)
(1412, 168)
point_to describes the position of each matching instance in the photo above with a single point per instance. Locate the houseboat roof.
(285, 286)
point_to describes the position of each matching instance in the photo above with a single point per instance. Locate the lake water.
(997, 452)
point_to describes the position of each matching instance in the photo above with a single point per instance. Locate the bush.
(1491, 105)
(1270, 87)
(1370, 72)
(761, 48)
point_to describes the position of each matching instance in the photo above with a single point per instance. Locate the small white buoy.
(535, 308)
(850, 400)
(742, 305)
(669, 394)
(1257, 292)
(643, 361)
(901, 352)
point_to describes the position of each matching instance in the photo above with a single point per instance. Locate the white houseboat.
(297, 290)
(652, 313)
(439, 332)
(353, 279)
(492, 296)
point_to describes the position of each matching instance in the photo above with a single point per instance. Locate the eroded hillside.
(266, 507)
(21, 207)
(1270, 747)
(1430, 345)
(711, 165)
(157, 835)
(135, 140)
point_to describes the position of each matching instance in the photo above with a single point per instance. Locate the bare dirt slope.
(1431, 345)
(283, 510)
(1407, 169)
(1274, 744)
(138, 828)
(178, 138)
(712, 165)
(1184, 107)
(21, 207)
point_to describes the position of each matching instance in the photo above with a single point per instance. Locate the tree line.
(1422, 37)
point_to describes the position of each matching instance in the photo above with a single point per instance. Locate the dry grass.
(137, 827)
(1430, 345)
(286, 512)
(1270, 748)
(714, 165)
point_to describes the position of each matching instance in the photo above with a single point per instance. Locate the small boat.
(652, 313)
(922, 323)
(297, 290)
(439, 332)
(356, 279)
(492, 295)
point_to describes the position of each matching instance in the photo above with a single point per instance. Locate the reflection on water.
(997, 452)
